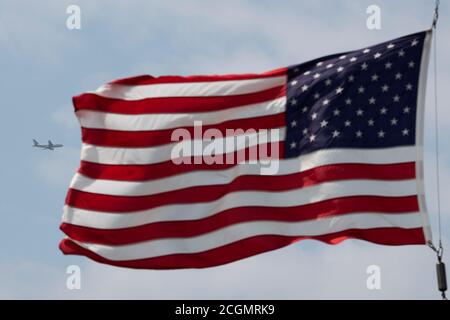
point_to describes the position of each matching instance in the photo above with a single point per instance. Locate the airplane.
(49, 146)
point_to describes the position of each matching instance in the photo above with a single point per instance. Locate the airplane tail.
(35, 143)
(50, 143)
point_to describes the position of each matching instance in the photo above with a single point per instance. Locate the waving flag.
(348, 148)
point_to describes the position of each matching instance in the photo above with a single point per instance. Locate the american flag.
(349, 162)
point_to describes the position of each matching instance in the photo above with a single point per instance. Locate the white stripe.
(240, 231)
(194, 211)
(124, 156)
(219, 177)
(110, 155)
(194, 89)
(107, 155)
(148, 122)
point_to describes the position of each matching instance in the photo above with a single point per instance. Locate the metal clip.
(436, 14)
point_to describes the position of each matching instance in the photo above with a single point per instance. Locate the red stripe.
(168, 168)
(184, 229)
(109, 203)
(91, 101)
(115, 138)
(148, 79)
(250, 247)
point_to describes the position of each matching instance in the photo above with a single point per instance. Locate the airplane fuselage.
(49, 146)
(45, 147)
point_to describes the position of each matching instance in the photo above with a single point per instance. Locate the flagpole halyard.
(440, 266)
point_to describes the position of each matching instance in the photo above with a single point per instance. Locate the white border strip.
(420, 117)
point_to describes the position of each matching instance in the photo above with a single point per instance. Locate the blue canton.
(360, 99)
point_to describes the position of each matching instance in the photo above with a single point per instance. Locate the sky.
(43, 64)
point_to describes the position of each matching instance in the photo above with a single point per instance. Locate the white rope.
(436, 122)
(440, 267)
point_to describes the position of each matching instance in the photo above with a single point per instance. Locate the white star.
(359, 112)
(405, 132)
(319, 64)
(294, 102)
(377, 55)
(406, 110)
(316, 96)
(396, 98)
(375, 77)
(372, 100)
(401, 53)
(390, 46)
(348, 123)
(323, 124)
(398, 76)
(353, 59)
(326, 102)
(293, 83)
(366, 51)
(314, 116)
(330, 66)
(411, 64)
(394, 122)
(409, 87)
(361, 89)
(305, 109)
(340, 69)
(414, 43)
(305, 132)
(383, 110)
(312, 138)
(339, 90)
(364, 66)
(351, 78)
(381, 134)
(388, 65)
(293, 145)
(343, 57)
(336, 134)
(371, 123)
(328, 82)
(293, 124)
(317, 76)
(359, 134)
(307, 73)
(336, 112)
(385, 88)
(348, 101)
(304, 88)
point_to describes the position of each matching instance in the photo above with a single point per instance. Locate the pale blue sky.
(43, 64)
